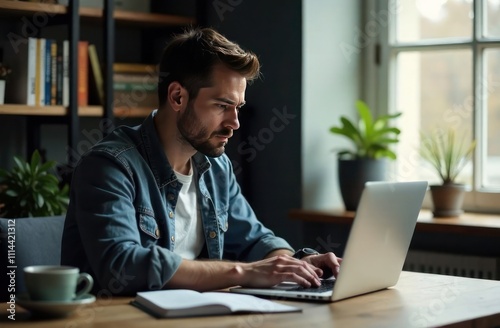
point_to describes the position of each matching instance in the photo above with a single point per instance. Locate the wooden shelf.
(473, 224)
(9, 8)
(84, 111)
(10, 109)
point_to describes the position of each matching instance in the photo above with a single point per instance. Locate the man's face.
(208, 121)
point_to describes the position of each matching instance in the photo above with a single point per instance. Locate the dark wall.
(266, 149)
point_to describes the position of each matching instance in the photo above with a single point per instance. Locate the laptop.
(376, 247)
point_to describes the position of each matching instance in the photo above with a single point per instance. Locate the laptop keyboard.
(326, 286)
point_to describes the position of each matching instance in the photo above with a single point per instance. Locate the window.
(440, 66)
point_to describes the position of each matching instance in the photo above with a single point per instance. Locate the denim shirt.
(120, 224)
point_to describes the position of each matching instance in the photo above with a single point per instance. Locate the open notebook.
(175, 303)
(376, 248)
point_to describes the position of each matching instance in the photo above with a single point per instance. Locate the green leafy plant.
(29, 190)
(446, 153)
(371, 136)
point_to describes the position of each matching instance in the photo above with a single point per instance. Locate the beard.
(193, 131)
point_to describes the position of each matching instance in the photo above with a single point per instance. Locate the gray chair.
(31, 241)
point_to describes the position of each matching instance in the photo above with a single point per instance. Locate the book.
(132, 85)
(48, 70)
(40, 73)
(134, 68)
(59, 70)
(32, 71)
(96, 76)
(53, 73)
(83, 73)
(189, 303)
(65, 77)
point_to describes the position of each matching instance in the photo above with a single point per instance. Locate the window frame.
(380, 60)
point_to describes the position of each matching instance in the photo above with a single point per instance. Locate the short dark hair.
(189, 59)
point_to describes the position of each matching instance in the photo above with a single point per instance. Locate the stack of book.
(40, 72)
(135, 85)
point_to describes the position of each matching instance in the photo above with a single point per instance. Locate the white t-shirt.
(189, 237)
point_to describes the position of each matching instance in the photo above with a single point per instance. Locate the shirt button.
(172, 238)
(170, 196)
(157, 233)
(171, 214)
(212, 234)
(174, 184)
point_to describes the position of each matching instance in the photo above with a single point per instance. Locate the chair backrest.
(25, 242)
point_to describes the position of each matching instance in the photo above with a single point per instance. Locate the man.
(158, 206)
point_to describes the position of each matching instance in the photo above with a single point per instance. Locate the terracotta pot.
(447, 199)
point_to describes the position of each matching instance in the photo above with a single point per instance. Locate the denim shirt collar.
(158, 162)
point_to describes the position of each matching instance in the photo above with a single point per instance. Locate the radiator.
(454, 265)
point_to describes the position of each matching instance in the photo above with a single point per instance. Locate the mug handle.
(88, 284)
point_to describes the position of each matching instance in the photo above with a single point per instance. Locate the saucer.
(53, 308)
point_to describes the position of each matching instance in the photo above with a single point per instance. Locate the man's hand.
(274, 270)
(329, 264)
(211, 275)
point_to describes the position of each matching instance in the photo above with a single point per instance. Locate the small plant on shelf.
(447, 154)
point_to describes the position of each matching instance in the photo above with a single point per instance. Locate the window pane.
(493, 18)
(434, 92)
(492, 92)
(431, 19)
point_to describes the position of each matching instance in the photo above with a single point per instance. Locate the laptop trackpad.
(287, 285)
(326, 285)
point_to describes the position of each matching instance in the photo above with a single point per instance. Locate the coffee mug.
(56, 282)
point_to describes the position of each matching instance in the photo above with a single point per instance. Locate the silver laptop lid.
(380, 237)
(377, 245)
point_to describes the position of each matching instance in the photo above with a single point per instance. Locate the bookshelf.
(123, 18)
(71, 16)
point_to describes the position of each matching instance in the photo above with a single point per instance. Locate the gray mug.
(56, 282)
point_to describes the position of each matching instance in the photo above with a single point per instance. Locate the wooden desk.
(418, 300)
(470, 224)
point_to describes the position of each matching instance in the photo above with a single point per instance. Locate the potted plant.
(448, 155)
(371, 139)
(30, 190)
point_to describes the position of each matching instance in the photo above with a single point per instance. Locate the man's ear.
(177, 96)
